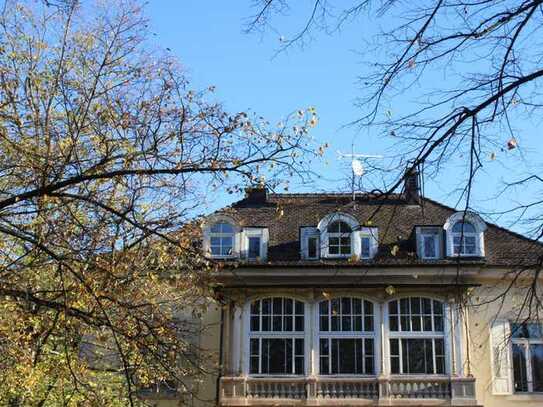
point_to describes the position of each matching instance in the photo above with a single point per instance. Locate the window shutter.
(500, 358)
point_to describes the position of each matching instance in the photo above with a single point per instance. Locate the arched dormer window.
(339, 236)
(465, 235)
(221, 238)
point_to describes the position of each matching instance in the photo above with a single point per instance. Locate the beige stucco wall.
(205, 390)
(480, 319)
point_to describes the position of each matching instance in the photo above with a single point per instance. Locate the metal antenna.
(357, 168)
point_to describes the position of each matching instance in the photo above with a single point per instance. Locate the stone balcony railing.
(336, 391)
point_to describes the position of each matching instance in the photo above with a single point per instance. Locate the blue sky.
(208, 39)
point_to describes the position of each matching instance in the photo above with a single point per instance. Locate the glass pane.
(323, 307)
(333, 227)
(254, 247)
(427, 306)
(438, 308)
(395, 365)
(266, 323)
(288, 306)
(255, 323)
(299, 307)
(429, 246)
(254, 365)
(277, 323)
(325, 365)
(536, 354)
(393, 323)
(324, 323)
(323, 347)
(404, 306)
(368, 324)
(347, 356)
(287, 323)
(463, 227)
(438, 324)
(254, 347)
(519, 368)
(368, 308)
(346, 323)
(527, 330)
(415, 305)
(333, 249)
(266, 306)
(346, 305)
(312, 247)
(393, 307)
(357, 323)
(357, 306)
(215, 241)
(279, 354)
(277, 306)
(345, 245)
(299, 324)
(365, 247)
(255, 308)
(415, 323)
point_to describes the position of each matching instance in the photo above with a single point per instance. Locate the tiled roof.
(285, 214)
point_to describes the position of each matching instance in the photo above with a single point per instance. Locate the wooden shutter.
(500, 338)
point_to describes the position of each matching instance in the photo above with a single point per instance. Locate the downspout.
(219, 375)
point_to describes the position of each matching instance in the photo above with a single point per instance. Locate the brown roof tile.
(285, 214)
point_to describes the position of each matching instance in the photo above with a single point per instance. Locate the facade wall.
(475, 347)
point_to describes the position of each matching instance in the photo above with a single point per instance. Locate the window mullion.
(528, 359)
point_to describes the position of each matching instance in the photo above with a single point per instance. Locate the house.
(381, 300)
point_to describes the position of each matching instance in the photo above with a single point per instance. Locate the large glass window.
(416, 336)
(339, 238)
(527, 346)
(464, 239)
(277, 336)
(221, 239)
(346, 337)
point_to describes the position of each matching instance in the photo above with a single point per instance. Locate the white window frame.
(478, 224)
(324, 235)
(307, 233)
(261, 233)
(525, 343)
(207, 234)
(444, 335)
(434, 232)
(275, 334)
(329, 335)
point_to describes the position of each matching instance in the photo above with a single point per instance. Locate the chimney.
(412, 191)
(256, 195)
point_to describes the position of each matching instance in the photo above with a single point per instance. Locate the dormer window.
(221, 239)
(339, 239)
(464, 239)
(254, 246)
(341, 236)
(429, 242)
(465, 235)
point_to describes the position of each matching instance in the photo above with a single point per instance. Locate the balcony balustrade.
(322, 391)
